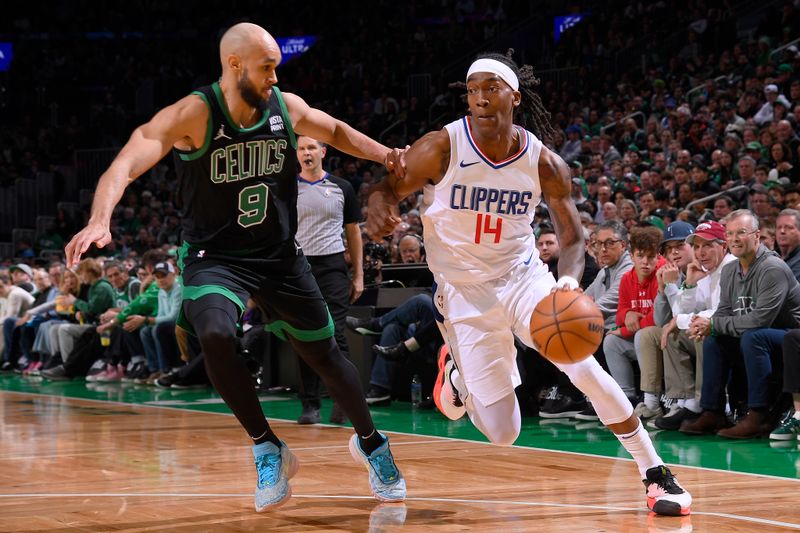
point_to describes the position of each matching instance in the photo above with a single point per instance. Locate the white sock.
(681, 402)
(412, 344)
(650, 400)
(641, 448)
(693, 405)
(797, 415)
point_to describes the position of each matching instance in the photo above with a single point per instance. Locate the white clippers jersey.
(478, 219)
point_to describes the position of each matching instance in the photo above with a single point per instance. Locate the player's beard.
(249, 93)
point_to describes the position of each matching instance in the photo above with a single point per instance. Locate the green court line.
(760, 456)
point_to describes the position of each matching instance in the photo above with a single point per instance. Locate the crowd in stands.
(671, 168)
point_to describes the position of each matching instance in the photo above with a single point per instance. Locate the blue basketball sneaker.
(385, 479)
(275, 467)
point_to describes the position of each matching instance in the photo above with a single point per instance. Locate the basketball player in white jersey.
(483, 177)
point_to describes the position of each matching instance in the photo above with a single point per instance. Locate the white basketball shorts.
(480, 322)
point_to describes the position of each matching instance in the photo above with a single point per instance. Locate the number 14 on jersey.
(484, 227)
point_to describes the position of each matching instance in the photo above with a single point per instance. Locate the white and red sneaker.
(445, 393)
(112, 373)
(664, 495)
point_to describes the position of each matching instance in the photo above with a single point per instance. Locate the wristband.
(567, 281)
(684, 285)
(711, 327)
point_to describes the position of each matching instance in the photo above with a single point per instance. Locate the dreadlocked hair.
(531, 113)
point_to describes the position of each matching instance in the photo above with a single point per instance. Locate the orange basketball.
(567, 326)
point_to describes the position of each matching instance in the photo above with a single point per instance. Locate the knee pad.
(608, 400)
(495, 421)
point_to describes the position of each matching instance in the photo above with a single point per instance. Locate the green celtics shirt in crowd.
(238, 191)
(128, 293)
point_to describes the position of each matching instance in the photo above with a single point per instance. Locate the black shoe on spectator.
(364, 326)
(550, 398)
(132, 370)
(22, 363)
(166, 381)
(378, 396)
(563, 407)
(310, 415)
(7, 366)
(140, 378)
(672, 421)
(57, 373)
(588, 413)
(337, 415)
(52, 362)
(396, 352)
(97, 368)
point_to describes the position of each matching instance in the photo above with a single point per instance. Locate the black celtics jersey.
(239, 191)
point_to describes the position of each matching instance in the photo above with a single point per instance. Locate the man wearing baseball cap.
(22, 277)
(697, 295)
(766, 113)
(158, 332)
(759, 302)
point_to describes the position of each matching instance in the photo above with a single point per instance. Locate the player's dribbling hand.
(567, 283)
(395, 161)
(99, 235)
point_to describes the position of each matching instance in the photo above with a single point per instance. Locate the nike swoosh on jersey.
(465, 165)
(528, 261)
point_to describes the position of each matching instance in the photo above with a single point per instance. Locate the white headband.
(495, 67)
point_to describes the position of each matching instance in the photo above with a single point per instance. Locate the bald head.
(243, 41)
(249, 57)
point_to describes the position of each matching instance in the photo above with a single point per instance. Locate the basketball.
(567, 326)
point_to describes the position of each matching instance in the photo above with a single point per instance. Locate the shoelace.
(385, 467)
(667, 482)
(268, 466)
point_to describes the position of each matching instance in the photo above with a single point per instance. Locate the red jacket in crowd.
(638, 297)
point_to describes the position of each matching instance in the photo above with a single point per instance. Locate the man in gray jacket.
(564, 400)
(759, 302)
(615, 260)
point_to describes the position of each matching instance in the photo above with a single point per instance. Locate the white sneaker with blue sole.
(275, 467)
(385, 479)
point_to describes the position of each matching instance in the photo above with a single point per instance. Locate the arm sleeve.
(772, 288)
(43, 308)
(173, 304)
(17, 302)
(608, 301)
(662, 312)
(146, 304)
(623, 307)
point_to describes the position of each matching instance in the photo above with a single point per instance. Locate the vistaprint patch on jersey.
(276, 123)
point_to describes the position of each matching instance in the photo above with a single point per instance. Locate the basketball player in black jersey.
(234, 145)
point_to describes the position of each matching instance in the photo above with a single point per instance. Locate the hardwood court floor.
(78, 465)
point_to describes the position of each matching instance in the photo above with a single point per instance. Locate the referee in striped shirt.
(325, 205)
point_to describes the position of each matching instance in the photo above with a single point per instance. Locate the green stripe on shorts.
(280, 328)
(195, 292)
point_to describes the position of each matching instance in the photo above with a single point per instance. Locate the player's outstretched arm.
(426, 162)
(307, 120)
(182, 124)
(556, 182)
